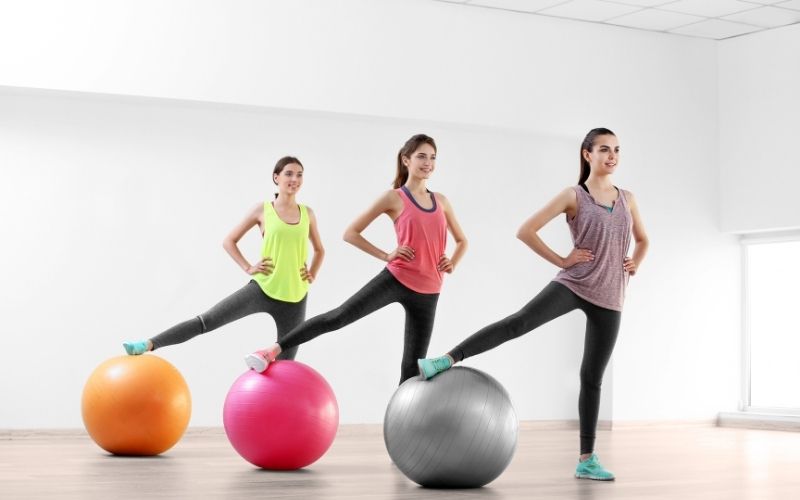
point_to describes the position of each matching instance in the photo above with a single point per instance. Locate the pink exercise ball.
(282, 419)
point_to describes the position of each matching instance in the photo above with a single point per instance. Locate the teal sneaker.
(432, 366)
(591, 469)
(135, 348)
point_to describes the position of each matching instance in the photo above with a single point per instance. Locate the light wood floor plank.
(674, 463)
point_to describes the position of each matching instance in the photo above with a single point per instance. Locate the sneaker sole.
(255, 363)
(131, 350)
(422, 372)
(586, 476)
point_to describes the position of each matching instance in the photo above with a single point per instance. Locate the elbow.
(528, 237)
(349, 235)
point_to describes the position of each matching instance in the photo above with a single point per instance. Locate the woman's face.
(604, 156)
(422, 162)
(290, 179)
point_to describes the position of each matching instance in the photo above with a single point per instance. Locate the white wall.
(414, 59)
(121, 206)
(140, 191)
(759, 130)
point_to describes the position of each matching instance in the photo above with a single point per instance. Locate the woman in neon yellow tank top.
(280, 278)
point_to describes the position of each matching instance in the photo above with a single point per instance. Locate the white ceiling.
(715, 19)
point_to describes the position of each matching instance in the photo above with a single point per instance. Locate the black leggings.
(381, 291)
(602, 326)
(249, 299)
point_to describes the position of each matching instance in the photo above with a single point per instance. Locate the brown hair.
(407, 150)
(286, 160)
(588, 144)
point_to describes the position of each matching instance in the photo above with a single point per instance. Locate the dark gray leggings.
(602, 326)
(249, 299)
(381, 291)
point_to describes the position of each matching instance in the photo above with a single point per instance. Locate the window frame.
(746, 241)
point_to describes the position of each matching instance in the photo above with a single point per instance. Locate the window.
(771, 324)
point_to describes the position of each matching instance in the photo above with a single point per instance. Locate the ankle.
(457, 355)
(271, 352)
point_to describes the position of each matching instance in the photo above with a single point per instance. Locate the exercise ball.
(456, 430)
(284, 418)
(136, 405)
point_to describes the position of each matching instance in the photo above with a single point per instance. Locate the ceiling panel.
(715, 19)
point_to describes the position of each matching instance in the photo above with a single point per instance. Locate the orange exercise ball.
(136, 405)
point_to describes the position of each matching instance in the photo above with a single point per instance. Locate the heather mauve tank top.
(424, 230)
(608, 235)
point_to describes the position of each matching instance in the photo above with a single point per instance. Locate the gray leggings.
(249, 299)
(602, 326)
(381, 291)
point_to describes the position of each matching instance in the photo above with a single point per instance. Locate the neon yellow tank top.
(287, 245)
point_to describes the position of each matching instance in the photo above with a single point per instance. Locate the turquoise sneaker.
(591, 469)
(432, 366)
(135, 348)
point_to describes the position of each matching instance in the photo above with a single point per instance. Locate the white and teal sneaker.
(135, 348)
(432, 366)
(591, 469)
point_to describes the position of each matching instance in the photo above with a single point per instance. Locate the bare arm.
(445, 264)
(564, 202)
(316, 244)
(639, 237)
(229, 243)
(389, 203)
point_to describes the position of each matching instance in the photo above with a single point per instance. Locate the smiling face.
(604, 156)
(289, 179)
(422, 162)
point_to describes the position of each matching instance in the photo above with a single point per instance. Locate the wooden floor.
(676, 463)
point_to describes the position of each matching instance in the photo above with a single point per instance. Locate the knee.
(204, 328)
(334, 320)
(591, 380)
(516, 326)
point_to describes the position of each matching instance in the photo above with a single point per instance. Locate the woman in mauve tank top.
(592, 278)
(414, 269)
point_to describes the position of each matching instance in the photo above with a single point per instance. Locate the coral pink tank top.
(424, 230)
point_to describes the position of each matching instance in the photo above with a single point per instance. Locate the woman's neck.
(418, 186)
(284, 199)
(599, 182)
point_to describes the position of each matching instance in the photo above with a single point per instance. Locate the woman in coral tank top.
(414, 269)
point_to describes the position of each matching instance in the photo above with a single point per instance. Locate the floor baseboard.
(759, 421)
(370, 429)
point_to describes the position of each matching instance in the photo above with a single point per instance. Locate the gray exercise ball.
(456, 430)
